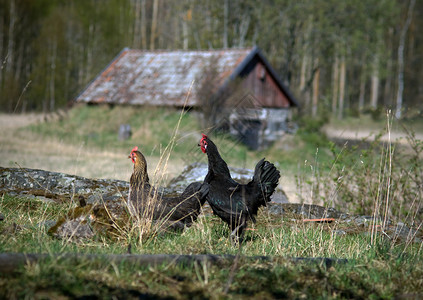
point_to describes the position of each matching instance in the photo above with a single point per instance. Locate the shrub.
(310, 131)
(377, 178)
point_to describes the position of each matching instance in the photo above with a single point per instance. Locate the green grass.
(270, 236)
(376, 269)
(381, 269)
(375, 280)
(97, 126)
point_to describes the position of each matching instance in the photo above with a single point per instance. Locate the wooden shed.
(163, 78)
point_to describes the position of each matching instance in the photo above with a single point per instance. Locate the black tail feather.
(267, 177)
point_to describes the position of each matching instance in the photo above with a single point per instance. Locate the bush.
(310, 131)
(380, 180)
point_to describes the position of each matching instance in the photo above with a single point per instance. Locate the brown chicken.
(144, 200)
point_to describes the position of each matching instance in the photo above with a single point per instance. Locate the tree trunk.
(335, 84)
(154, 24)
(81, 65)
(1, 50)
(177, 36)
(315, 98)
(53, 75)
(374, 88)
(362, 91)
(90, 47)
(185, 33)
(401, 46)
(19, 61)
(307, 92)
(143, 26)
(68, 74)
(303, 72)
(45, 98)
(342, 76)
(243, 29)
(387, 97)
(137, 25)
(225, 24)
(27, 75)
(11, 42)
(17, 74)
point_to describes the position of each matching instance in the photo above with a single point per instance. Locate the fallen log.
(60, 187)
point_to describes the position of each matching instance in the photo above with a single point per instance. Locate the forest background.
(338, 57)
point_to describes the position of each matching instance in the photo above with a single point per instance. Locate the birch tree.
(225, 24)
(374, 91)
(401, 47)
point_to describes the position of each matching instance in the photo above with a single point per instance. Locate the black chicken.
(176, 211)
(233, 202)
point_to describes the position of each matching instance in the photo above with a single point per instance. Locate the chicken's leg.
(237, 233)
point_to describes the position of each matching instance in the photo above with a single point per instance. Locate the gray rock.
(344, 216)
(47, 224)
(404, 233)
(306, 211)
(364, 220)
(339, 232)
(417, 240)
(275, 209)
(53, 186)
(78, 228)
(279, 196)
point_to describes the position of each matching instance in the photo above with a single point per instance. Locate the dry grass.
(27, 149)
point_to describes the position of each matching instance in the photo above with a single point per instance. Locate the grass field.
(375, 269)
(84, 142)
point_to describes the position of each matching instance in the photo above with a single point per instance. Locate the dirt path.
(359, 134)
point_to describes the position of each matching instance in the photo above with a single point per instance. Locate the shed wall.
(264, 88)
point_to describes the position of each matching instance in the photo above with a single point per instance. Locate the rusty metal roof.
(158, 77)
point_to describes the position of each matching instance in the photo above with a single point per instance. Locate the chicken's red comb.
(204, 136)
(135, 149)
